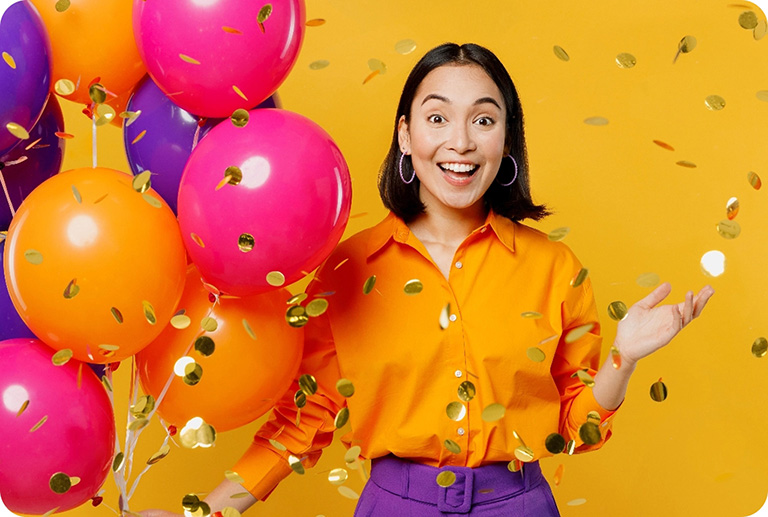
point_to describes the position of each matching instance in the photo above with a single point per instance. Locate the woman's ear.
(403, 137)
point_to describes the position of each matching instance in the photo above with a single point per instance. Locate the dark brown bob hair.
(513, 202)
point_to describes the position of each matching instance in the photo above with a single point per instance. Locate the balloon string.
(93, 135)
(7, 196)
(117, 476)
(136, 481)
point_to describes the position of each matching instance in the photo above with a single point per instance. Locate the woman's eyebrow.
(481, 100)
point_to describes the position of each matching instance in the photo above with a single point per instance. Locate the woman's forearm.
(611, 383)
(221, 497)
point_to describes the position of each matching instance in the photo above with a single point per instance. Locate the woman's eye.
(485, 121)
(436, 119)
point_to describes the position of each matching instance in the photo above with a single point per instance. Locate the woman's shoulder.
(550, 245)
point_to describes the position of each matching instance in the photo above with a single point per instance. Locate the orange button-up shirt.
(509, 290)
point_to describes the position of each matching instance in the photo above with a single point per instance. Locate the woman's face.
(455, 136)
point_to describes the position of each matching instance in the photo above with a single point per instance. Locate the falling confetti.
(561, 54)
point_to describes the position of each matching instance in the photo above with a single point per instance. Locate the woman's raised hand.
(649, 326)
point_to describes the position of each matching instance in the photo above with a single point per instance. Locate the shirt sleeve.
(579, 312)
(303, 435)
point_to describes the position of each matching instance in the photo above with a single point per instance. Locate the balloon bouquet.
(96, 260)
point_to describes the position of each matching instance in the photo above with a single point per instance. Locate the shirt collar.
(392, 227)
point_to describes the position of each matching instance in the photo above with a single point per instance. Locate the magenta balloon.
(77, 437)
(292, 202)
(200, 51)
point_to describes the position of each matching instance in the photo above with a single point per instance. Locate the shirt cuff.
(585, 403)
(262, 469)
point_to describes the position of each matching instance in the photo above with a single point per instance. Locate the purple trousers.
(403, 488)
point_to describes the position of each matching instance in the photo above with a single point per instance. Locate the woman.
(456, 395)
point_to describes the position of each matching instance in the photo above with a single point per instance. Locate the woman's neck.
(448, 225)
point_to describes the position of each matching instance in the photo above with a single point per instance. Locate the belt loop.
(526, 479)
(405, 479)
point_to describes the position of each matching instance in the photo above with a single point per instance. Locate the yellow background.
(630, 208)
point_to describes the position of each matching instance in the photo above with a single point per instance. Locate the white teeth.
(458, 167)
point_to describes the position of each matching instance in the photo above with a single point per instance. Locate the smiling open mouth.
(458, 170)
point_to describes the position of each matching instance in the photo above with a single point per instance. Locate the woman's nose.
(461, 139)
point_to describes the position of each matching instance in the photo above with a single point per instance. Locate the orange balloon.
(90, 40)
(241, 350)
(93, 265)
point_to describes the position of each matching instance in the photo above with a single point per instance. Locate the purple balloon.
(40, 162)
(170, 133)
(24, 86)
(11, 324)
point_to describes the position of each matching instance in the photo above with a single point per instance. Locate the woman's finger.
(688, 314)
(655, 296)
(701, 300)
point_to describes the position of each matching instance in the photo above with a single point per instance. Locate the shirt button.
(452, 317)
(459, 264)
(460, 431)
(457, 373)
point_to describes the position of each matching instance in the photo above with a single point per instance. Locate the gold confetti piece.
(558, 234)
(319, 64)
(748, 20)
(687, 44)
(617, 310)
(352, 454)
(466, 391)
(62, 5)
(580, 277)
(106, 382)
(190, 502)
(234, 477)
(594, 417)
(558, 477)
(337, 476)
(189, 59)
(571, 447)
(361, 214)
(648, 280)
(348, 493)
(75, 480)
(60, 483)
(555, 443)
(341, 418)
(444, 319)
(713, 263)
(446, 478)
(377, 65)
(762, 95)
(72, 289)
(193, 373)
(341, 264)
(159, 455)
(371, 76)
(275, 278)
(195, 237)
(181, 321)
(728, 229)
(531, 315)
(248, 329)
(625, 60)
(298, 298)
(317, 307)
(33, 144)
(118, 462)
(561, 54)
(524, 453)
(732, 208)
(149, 312)
(295, 464)
(9, 60)
(239, 92)
(139, 136)
(578, 332)
(152, 201)
(315, 22)
(405, 46)
(413, 287)
(576, 502)
(589, 432)
(368, 285)
(548, 339)
(205, 346)
(514, 465)
(240, 118)
(760, 347)
(138, 424)
(143, 406)
(33, 257)
(452, 446)
(142, 181)
(658, 391)
(585, 378)
(106, 114)
(228, 511)
(102, 198)
(456, 411)
(64, 87)
(62, 357)
(615, 357)
(596, 121)
(760, 30)
(17, 131)
(97, 93)
(23, 408)
(345, 387)
(535, 354)
(714, 103)
(296, 316)
(245, 242)
(493, 412)
(264, 13)
(664, 145)
(308, 384)
(754, 180)
(39, 424)
(230, 30)
(277, 445)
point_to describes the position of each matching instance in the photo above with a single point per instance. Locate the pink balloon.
(77, 437)
(292, 202)
(199, 52)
